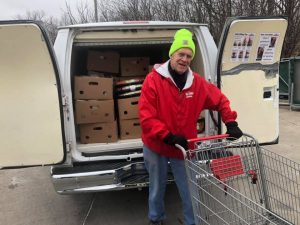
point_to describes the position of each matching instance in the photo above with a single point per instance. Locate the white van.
(37, 116)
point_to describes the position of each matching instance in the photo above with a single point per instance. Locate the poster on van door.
(241, 47)
(266, 47)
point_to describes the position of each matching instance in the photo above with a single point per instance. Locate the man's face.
(181, 59)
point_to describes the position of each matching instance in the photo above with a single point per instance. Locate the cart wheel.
(253, 175)
(254, 180)
(225, 189)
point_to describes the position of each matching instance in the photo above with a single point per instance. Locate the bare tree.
(49, 23)
(170, 10)
(83, 13)
(105, 10)
(212, 12)
(37, 15)
(267, 7)
(128, 10)
(290, 8)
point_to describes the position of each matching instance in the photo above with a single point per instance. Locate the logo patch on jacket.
(189, 94)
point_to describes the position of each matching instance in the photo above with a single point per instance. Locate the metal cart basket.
(238, 182)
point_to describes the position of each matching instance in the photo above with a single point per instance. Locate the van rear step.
(103, 176)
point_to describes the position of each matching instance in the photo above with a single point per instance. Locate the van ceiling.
(154, 36)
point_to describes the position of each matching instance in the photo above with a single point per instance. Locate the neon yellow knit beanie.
(183, 38)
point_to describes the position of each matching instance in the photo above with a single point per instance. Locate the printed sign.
(241, 47)
(266, 47)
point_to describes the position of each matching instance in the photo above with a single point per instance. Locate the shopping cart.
(238, 182)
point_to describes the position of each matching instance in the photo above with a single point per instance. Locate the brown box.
(150, 68)
(95, 73)
(94, 111)
(128, 108)
(106, 61)
(98, 133)
(130, 129)
(134, 66)
(117, 79)
(93, 87)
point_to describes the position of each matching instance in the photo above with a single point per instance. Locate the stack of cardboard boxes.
(133, 71)
(98, 100)
(95, 112)
(94, 103)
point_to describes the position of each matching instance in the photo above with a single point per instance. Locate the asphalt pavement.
(28, 197)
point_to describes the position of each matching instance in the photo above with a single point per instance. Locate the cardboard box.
(98, 133)
(105, 61)
(134, 66)
(94, 111)
(129, 78)
(86, 87)
(150, 68)
(95, 73)
(128, 108)
(130, 129)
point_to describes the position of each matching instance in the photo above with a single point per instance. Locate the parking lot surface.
(28, 197)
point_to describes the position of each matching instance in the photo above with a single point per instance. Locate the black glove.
(171, 139)
(233, 130)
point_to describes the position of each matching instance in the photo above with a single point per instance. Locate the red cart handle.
(193, 140)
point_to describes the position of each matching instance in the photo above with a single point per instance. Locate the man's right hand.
(172, 139)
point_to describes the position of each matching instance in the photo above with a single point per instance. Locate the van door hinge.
(68, 147)
(68, 160)
(65, 104)
(212, 80)
(209, 78)
(65, 101)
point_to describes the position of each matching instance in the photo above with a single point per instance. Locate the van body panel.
(128, 42)
(132, 25)
(32, 131)
(207, 59)
(119, 165)
(249, 73)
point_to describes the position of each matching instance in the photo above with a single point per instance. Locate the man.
(171, 101)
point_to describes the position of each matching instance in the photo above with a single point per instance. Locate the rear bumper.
(103, 176)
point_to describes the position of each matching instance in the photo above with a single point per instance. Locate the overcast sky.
(10, 8)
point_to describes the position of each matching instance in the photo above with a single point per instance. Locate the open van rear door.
(31, 118)
(248, 65)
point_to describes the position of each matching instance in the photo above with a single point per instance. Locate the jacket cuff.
(231, 124)
(168, 138)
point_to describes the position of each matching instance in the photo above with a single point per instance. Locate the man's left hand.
(233, 130)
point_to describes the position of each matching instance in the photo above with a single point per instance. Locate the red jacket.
(163, 108)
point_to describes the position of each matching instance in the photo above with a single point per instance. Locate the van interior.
(153, 44)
